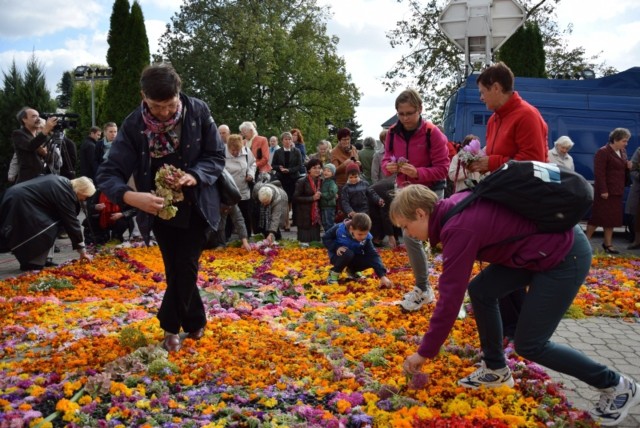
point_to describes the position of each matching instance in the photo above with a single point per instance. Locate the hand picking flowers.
(166, 179)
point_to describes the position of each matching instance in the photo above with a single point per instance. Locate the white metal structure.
(478, 27)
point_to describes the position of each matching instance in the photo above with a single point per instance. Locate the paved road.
(611, 341)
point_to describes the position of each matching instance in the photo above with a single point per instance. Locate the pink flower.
(471, 152)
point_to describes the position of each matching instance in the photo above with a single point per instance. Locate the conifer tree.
(34, 89)
(65, 87)
(128, 54)
(524, 52)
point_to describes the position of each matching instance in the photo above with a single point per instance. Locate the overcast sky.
(66, 33)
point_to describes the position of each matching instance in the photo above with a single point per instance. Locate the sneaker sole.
(635, 400)
(475, 385)
(404, 308)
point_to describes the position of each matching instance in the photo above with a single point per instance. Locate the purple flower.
(418, 381)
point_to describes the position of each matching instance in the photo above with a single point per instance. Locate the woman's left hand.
(409, 170)
(413, 364)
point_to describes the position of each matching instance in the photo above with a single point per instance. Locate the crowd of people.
(350, 199)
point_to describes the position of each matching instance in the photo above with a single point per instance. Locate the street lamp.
(86, 73)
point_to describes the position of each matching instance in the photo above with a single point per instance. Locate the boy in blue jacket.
(350, 246)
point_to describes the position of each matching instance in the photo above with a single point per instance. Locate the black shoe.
(30, 266)
(56, 249)
(609, 249)
(50, 263)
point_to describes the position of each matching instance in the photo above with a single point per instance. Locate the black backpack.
(553, 197)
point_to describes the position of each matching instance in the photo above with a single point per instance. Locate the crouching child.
(350, 246)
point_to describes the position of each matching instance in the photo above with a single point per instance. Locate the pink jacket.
(432, 165)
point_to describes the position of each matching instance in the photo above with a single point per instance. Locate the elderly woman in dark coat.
(31, 213)
(307, 199)
(610, 164)
(287, 163)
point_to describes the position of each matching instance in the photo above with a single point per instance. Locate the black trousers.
(351, 261)
(181, 248)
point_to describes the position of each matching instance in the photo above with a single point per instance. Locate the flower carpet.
(79, 347)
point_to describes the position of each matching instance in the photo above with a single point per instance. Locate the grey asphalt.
(611, 341)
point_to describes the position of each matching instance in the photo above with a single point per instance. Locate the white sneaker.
(414, 299)
(488, 378)
(615, 402)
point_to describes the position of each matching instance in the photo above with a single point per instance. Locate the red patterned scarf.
(315, 206)
(162, 138)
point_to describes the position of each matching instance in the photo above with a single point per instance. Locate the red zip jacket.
(516, 131)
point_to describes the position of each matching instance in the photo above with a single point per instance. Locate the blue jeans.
(549, 296)
(327, 216)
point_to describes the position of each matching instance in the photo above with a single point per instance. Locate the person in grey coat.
(274, 209)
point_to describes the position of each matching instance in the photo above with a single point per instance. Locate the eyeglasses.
(406, 114)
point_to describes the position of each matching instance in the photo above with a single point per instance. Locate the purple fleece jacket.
(465, 238)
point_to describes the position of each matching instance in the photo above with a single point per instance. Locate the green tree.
(34, 89)
(127, 55)
(435, 65)
(81, 105)
(270, 62)
(65, 87)
(117, 37)
(524, 52)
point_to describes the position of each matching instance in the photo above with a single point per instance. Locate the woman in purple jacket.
(552, 265)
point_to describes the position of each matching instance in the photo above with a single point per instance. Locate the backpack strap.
(427, 137)
(460, 206)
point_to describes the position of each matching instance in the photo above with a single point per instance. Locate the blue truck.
(586, 110)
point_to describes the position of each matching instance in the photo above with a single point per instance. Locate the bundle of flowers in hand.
(166, 179)
(471, 152)
(400, 161)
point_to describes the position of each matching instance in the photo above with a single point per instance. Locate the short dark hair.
(94, 129)
(619, 134)
(21, 114)
(497, 73)
(343, 133)
(361, 221)
(313, 162)
(160, 82)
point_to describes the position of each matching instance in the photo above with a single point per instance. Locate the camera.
(65, 120)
